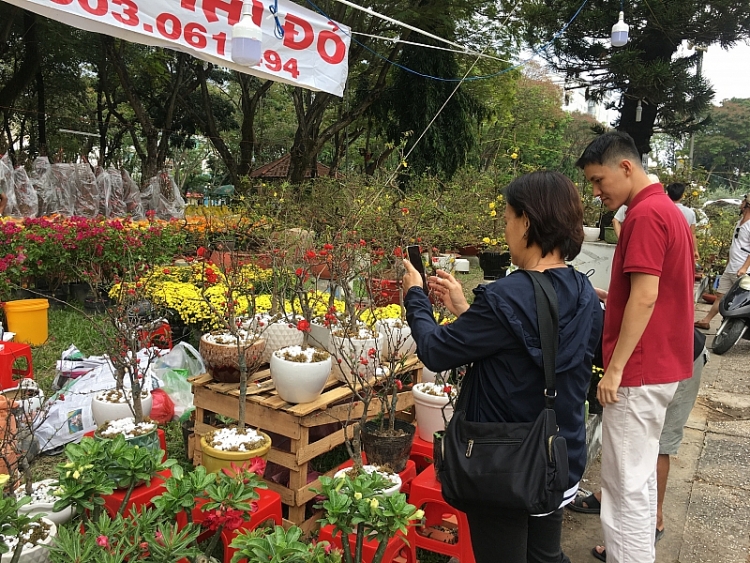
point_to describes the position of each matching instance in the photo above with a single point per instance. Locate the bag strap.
(547, 314)
(547, 320)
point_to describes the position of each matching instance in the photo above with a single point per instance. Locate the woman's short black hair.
(553, 205)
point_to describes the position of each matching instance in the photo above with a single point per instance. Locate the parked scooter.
(735, 308)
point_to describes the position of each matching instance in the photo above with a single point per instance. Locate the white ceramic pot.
(279, 335)
(397, 338)
(39, 553)
(429, 410)
(104, 411)
(298, 382)
(320, 337)
(429, 376)
(353, 352)
(443, 262)
(44, 507)
(590, 234)
(393, 477)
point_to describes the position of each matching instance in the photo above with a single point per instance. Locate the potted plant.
(433, 407)
(23, 535)
(300, 373)
(358, 511)
(44, 495)
(219, 350)
(112, 404)
(142, 434)
(225, 446)
(262, 545)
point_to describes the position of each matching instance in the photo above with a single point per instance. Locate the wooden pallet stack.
(267, 411)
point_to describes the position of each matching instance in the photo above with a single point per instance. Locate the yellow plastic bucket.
(28, 319)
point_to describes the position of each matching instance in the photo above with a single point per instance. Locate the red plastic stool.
(140, 497)
(268, 508)
(426, 491)
(421, 453)
(159, 432)
(396, 548)
(10, 373)
(407, 475)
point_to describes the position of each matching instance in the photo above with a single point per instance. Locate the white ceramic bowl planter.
(590, 234)
(354, 353)
(42, 501)
(429, 400)
(300, 374)
(37, 553)
(277, 334)
(397, 338)
(392, 477)
(320, 336)
(113, 405)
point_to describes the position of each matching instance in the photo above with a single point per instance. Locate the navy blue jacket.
(499, 336)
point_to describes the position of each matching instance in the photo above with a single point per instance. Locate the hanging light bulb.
(246, 38)
(620, 32)
(638, 111)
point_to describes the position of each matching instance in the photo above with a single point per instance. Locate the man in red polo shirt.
(646, 344)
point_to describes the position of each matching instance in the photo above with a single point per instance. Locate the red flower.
(310, 255)
(102, 541)
(328, 246)
(303, 325)
(299, 272)
(447, 389)
(201, 251)
(61, 397)
(397, 252)
(363, 361)
(371, 352)
(399, 385)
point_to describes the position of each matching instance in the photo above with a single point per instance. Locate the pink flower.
(102, 541)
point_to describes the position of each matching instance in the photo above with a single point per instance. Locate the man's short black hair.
(609, 147)
(675, 190)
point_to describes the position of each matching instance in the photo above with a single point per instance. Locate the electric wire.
(535, 52)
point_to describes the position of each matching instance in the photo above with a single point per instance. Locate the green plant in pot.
(283, 546)
(358, 511)
(20, 533)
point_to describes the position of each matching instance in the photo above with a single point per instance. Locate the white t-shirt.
(688, 213)
(740, 247)
(620, 215)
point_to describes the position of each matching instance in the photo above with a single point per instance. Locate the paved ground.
(707, 507)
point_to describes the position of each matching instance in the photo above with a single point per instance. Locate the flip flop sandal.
(587, 505)
(600, 556)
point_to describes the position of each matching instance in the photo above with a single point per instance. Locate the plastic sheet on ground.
(69, 414)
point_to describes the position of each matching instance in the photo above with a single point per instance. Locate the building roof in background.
(279, 169)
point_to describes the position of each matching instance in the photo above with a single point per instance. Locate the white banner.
(313, 53)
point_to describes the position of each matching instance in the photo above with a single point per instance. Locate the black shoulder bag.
(507, 465)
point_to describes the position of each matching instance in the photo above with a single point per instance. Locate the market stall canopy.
(312, 54)
(279, 169)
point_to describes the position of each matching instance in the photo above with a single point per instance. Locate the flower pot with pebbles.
(36, 537)
(142, 434)
(221, 353)
(115, 404)
(43, 499)
(300, 373)
(432, 402)
(357, 351)
(220, 448)
(397, 338)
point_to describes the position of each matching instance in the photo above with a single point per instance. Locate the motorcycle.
(735, 309)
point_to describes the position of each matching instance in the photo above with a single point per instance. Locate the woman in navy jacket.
(497, 334)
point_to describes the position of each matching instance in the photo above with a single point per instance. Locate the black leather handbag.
(506, 465)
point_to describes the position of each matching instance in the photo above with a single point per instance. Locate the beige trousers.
(630, 447)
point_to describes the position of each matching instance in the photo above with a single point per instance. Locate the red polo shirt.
(656, 240)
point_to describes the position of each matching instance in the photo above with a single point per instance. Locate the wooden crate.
(267, 411)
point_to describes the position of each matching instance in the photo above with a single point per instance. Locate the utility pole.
(698, 73)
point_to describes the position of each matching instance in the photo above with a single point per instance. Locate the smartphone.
(415, 257)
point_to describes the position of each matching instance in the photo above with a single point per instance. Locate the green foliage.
(645, 69)
(280, 546)
(723, 147)
(356, 506)
(13, 522)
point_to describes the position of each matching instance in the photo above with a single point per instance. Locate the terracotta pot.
(708, 298)
(222, 360)
(9, 457)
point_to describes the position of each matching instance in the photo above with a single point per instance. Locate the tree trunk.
(26, 71)
(642, 130)
(250, 101)
(41, 113)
